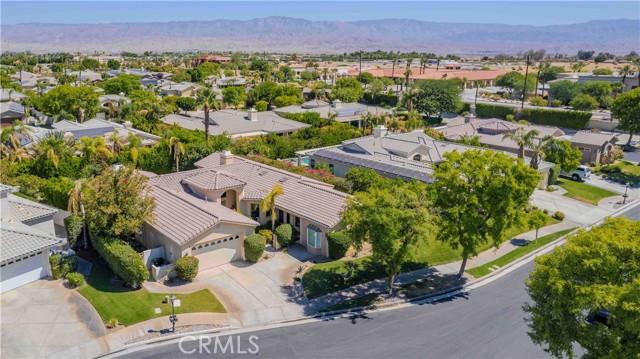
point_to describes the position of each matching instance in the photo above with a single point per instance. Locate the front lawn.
(327, 277)
(584, 192)
(521, 251)
(130, 306)
(622, 172)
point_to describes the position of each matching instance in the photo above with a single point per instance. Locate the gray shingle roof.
(213, 181)
(21, 209)
(592, 138)
(18, 240)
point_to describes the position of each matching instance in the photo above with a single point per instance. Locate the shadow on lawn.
(101, 277)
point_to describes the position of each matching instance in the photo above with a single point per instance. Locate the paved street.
(487, 323)
(633, 213)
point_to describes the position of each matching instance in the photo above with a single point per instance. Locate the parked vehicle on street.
(581, 173)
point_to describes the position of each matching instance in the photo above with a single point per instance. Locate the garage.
(217, 252)
(23, 271)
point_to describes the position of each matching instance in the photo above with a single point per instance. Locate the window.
(297, 222)
(417, 158)
(314, 237)
(331, 167)
(288, 218)
(312, 163)
(280, 215)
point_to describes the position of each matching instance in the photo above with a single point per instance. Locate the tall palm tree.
(577, 66)
(177, 148)
(76, 205)
(53, 147)
(538, 149)
(206, 99)
(11, 135)
(91, 147)
(116, 141)
(133, 144)
(268, 204)
(522, 138)
(394, 61)
(333, 78)
(625, 71)
(408, 72)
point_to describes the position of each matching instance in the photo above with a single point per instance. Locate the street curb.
(444, 293)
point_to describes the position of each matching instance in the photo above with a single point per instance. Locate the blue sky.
(512, 12)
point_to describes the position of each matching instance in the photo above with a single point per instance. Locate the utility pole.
(360, 72)
(526, 73)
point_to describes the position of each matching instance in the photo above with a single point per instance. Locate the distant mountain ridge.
(285, 34)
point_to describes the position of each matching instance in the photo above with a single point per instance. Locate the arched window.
(417, 158)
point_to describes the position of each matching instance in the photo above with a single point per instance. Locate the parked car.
(579, 174)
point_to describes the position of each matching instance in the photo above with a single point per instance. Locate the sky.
(507, 12)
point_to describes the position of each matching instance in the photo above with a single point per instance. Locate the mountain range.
(285, 34)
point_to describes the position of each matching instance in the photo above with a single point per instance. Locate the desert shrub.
(254, 246)
(187, 267)
(510, 118)
(123, 260)
(62, 265)
(339, 244)
(267, 234)
(284, 234)
(261, 106)
(556, 103)
(73, 225)
(75, 279)
(558, 215)
(538, 101)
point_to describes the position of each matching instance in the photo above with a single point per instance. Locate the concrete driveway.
(575, 211)
(45, 319)
(257, 293)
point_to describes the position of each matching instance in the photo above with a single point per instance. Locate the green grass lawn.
(628, 172)
(516, 253)
(584, 192)
(129, 306)
(327, 277)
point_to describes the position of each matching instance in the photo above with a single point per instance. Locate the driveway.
(257, 293)
(575, 211)
(43, 318)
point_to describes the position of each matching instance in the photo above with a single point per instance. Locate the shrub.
(584, 103)
(569, 119)
(485, 110)
(112, 323)
(510, 118)
(254, 246)
(554, 172)
(261, 106)
(61, 266)
(556, 103)
(545, 211)
(538, 101)
(187, 267)
(267, 234)
(462, 108)
(123, 260)
(558, 215)
(56, 191)
(30, 185)
(75, 279)
(339, 244)
(73, 225)
(284, 234)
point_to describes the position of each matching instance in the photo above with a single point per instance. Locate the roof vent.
(283, 179)
(262, 173)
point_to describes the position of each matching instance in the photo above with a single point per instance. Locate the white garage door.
(217, 252)
(22, 272)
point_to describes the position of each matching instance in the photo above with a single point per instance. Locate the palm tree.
(394, 61)
(134, 143)
(206, 98)
(75, 204)
(325, 73)
(423, 63)
(333, 78)
(538, 150)
(625, 71)
(577, 66)
(95, 146)
(268, 204)
(10, 135)
(408, 72)
(522, 138)
(53, 147)
(177, 148)
(116, 141)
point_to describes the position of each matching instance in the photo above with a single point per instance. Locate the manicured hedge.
(73, 225)
(75, 280)
(61, 266)
(339, 244)
(187, 267)
(463, 107)
(123, 260)
(254, 246)
(384, 99)
(568, 119)
(554, 173)
(284, 234)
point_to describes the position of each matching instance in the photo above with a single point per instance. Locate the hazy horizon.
(541, 13)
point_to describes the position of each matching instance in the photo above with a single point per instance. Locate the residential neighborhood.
(154, 201)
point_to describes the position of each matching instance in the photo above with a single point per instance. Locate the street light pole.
(173, 319)
(625, 195)
(526, 73)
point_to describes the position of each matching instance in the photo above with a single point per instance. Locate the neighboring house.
(630, 82)
(11, 95)
(237, 123)
(87, 75)
(482, 78)
(230, 81)
(95, 127)
(182, 89)
(211, 58)
(348, 112)
(208, 212)
(27, 234)
(113, 100)
(10, 112)
(594, 146)
(409, 156)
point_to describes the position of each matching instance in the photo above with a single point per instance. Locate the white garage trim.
(24, 271)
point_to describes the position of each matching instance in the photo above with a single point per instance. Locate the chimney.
(379, 131)
(337, 104)
(127, 124)
(226, 158)
(253, 115)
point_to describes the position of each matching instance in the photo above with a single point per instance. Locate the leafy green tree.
(510, 81)
(180, 76)
(365, 78)
(626, 108)
(394, 220)
(537, 220)
(118, 202)
(561, 152)
(113, 64)
(265, 91)
(286, 74)
(282, 101)
(584, 103)
(57, 67)
(600, 90)
(480, 194)
(209, 68)
(548, 73)
(81, 102)
(347, 90)
(88, 63)
(564, 90)
(361, 179)
(207, 100)
(261, 106)
(234, 96)
(122, 84)
(595, 271)
(186, 103)
(434, 97)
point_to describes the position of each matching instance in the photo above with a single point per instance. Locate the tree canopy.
(595, 271)
(69, 102)
(564, 90)
(347, 89)
(122, 84)
(434, 97)
(626, 108)
(562, 153)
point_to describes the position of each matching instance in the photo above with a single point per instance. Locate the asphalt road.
(633, 213)
(486, 323)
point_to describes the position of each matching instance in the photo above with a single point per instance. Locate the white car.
(579, 174)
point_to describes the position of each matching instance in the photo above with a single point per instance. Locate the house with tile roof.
(27, 234)
(347, 112)
(408, 156)
(207, 212)
(594, 146)
(237, 123)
